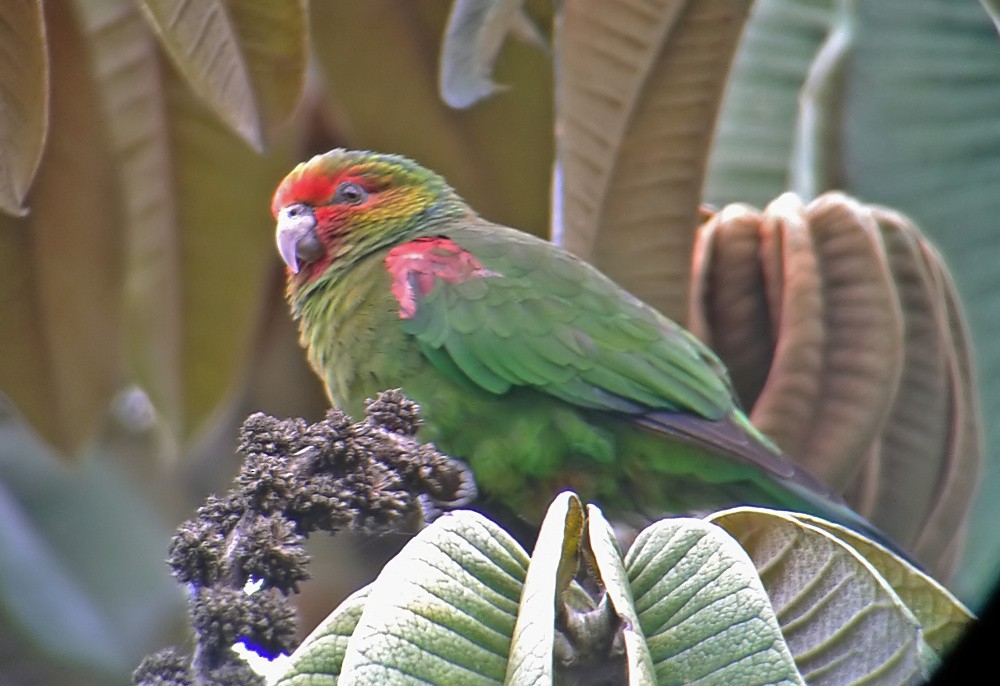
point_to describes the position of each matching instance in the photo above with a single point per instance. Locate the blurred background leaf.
(917, 129)
(141, 297)
(24, 91)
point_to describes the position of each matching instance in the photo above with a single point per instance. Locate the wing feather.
(535, 316)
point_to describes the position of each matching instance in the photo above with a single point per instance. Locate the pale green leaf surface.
(608, 558)
(942, 617)
(443, 610)
(24, 99)
(842, 621)
(318, 659)
(702, 608)
(553, 564)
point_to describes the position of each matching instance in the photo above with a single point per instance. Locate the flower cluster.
(296, 478)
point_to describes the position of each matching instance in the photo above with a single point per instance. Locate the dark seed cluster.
(296, 478)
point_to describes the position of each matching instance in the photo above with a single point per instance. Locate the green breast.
(355, 341)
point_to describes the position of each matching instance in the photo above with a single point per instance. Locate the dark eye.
(350, 193)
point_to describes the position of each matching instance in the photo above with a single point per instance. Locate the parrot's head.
(344, 204)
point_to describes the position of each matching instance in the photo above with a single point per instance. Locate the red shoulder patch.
(416, 265)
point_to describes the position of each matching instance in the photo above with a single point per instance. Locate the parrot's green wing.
(497, 309)
(512, 310)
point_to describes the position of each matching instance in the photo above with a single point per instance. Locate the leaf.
(755, 141)
(922, 132)
(496, 155)
(81, 558)
(473, 37)
(245, 59)
(60, 274)
(942, 617)
(132, 80)
(443, 609)
(837, 331)
(703, 609)
(830, 601)
(198, 248)
(318, 659)
(638, 86)
(728, 286)
(993, 8)
(611, 569)
(24, 100)
(553, 565)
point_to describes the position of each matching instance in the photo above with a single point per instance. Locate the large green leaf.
(703, 609)
(318, 660)
(443, 610)
(922, 134)
(553, 564)
(24, 100)
(911, 96)
(755, 138)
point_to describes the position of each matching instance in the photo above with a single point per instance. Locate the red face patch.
(416, 265)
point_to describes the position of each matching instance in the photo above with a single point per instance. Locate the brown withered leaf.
(913, 443)
(59, 304)
(863, 337)
(841, 328)
(24, 100)
(637, 89)
(729, 309)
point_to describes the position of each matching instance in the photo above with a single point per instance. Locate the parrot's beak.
(296, 236)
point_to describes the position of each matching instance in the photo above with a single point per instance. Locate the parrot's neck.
(348, 317)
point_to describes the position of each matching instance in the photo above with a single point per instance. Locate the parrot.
(527, 363)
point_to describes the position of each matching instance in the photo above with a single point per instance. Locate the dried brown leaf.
(24, 99)
(863, 340)
(911, 450)
(791, 397)
(962, 466)
(61, 278)
(729, 308)
(638, 86)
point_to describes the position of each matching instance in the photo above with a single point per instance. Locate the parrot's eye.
(350, 193)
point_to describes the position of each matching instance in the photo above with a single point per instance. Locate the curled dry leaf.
(842, 330)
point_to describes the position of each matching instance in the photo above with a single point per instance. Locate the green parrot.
(527, 363)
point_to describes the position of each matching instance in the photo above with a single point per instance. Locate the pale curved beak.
(295, 235)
